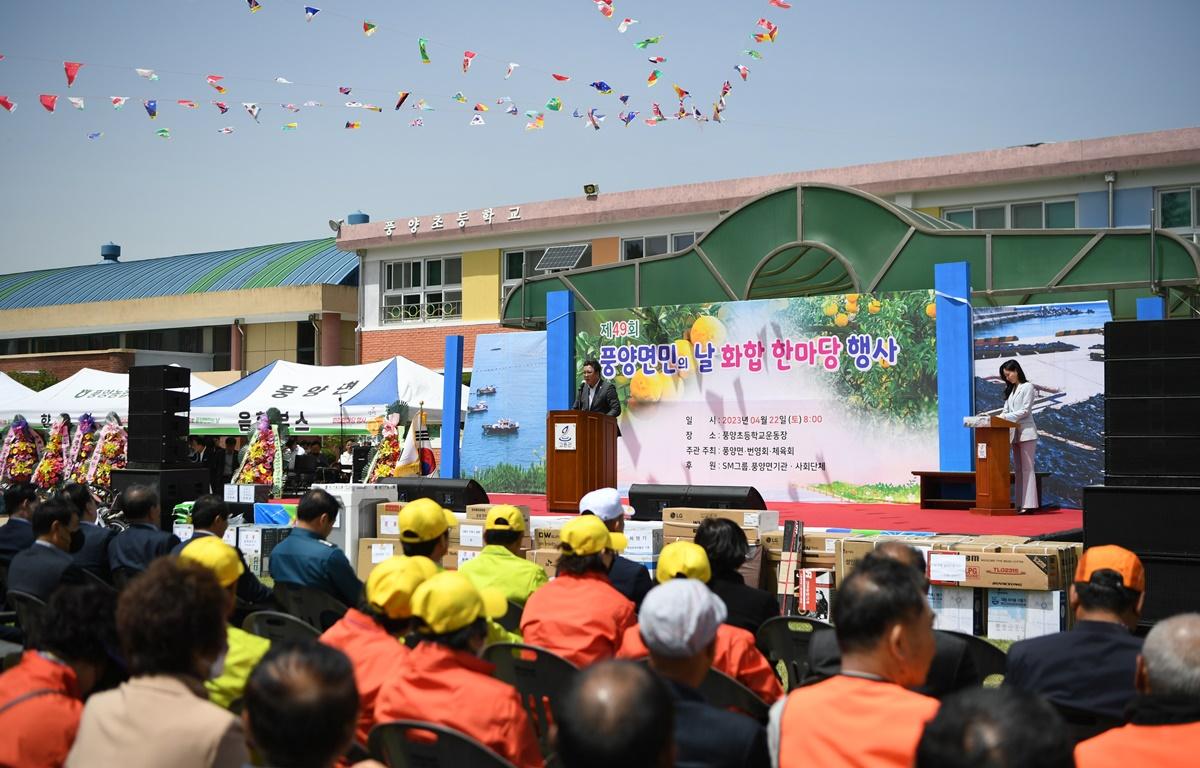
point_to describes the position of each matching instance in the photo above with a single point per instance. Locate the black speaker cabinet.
(158, 416)
(159, 377)
(171, 485)
(648, 501)
(452, 494)
(1124, 339)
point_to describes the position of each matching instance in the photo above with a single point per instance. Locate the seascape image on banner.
(1061, 349)
(824, 398)
(504, 441)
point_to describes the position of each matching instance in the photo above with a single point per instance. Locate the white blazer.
(1019, 408)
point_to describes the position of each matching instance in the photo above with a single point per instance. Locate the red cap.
(1113, 558)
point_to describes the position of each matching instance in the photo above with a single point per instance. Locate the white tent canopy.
(87, 391)
(320, 399)
(11, 391)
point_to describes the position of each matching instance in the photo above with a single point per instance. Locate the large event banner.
(819, 398)
(1061, 349)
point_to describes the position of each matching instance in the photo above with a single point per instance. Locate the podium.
(992, 476)
(581, 456)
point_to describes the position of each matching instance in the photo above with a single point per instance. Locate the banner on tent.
(1061, 349)
(812, 398)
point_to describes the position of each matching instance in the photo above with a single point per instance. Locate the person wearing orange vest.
(1164, 728)
(866, 715)
(446, 683)
(736, 653)
(579, 615)
(369, 635)
(41, 698)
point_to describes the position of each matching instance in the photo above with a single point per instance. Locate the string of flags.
(591, 117)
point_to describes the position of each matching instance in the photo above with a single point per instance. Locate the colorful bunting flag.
(459, 97)
(417, 123)
(423, 106)
(742, 70)
(624, 98)
(8, 104)
(75, 102)
(766, 24)
(252, 109)
(477, 120)
(511, 109)
(626, 24)
(512, 66)
(560, 78)
(594, 118)
(290, 107)
(226, 130)
(309, 12)
(605, 8)
(467, 56)
(72, 69)
(283, 81)
(403, 97)
(627, 117)
(186, 103)
(643, 44)
(657, 112)
(481, 107)
(344, 90)
(313, 104)
(255, 6)
(163, 133)
(602, 86)
(95, 135)
(353, 125)
(752, 54)
(779, 4)
(222, 106)
(657, 59)
(653, 79)
(554, 104)
(146, 73)
(118, 101)
(151, 107)
(424, 54)
(215, 82)
(290, 126)
(368, 28)
(537, 123)
(682, 94)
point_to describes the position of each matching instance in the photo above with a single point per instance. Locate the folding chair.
(31, 613)
(721, 690)
(989, 660)
(280, 627)
(320, 609)
(785, 639)
(414, 744)
(511, 620)
(539, 676)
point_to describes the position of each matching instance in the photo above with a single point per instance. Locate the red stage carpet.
(886, 517)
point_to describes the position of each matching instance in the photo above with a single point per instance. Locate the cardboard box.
(546, 538)
(817, 541)
(1039, 570)
(1016, 614)
(247, 494)
(387, 519)
(372, 551)
(959, 609)
(772, 541)
(850, 553)
(547, 558)
(645, 537)
(464, 554)
(687, 531)
(750, 519)
(479, 512)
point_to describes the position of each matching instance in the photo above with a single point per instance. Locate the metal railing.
(419, 313)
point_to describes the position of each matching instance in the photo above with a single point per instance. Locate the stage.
(886, 517)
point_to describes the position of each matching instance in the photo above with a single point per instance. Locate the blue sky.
(849, 82)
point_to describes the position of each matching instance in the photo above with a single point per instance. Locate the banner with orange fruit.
(825, 397)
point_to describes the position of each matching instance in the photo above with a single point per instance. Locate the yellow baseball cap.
(424, 520)
(587, 535)
(504, 517)
(215, 555)
(391, 584)
(683, 559)
(449, 601)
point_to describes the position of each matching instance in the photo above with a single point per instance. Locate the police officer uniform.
(307, 560)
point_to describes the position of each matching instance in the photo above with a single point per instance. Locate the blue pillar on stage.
(1152, 308)
(452, 407)
(955, 364)
(560, 349)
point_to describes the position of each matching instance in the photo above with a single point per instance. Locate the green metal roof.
(816, 239)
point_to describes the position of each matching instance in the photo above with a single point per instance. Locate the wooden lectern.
(992, 476)
(581, 456)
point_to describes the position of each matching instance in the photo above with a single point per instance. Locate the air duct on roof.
(111, 253)
(358, 217)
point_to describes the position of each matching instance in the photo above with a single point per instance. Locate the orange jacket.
(737, 656)
(39, 730)
(581, 618)
(852, 721)
(376, 656)
(456, 689)
(1162, 746)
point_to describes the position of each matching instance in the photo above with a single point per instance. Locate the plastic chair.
(414, 744)
(785, 639)
(95, 580)
(122, 576)
(280, 627)
(511, 620)
(539, 676)
(721, 690)
(31, 613)
(989, 660)
(320, 609)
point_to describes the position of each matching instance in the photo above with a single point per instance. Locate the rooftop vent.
(111, 253)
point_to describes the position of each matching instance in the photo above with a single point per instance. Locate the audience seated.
(1092, 666)
(627, 577)
(1164, 726)
(292, 689)
(370, 634)
(997, 728)
(616, 713)
(210, 517)
(144, 540)
(41, 698)
(735, 652)
(865, 716)
(243, 650)
(170, 621)
(39, 569)
(679, 622)
(93, 556)
(953, 667)
(306, 559)
(425, 529)
(500, 564)
(579, 615)
(445, 682)
(17, 533)
(727, 548)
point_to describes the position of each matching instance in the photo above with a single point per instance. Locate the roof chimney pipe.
(111, 253)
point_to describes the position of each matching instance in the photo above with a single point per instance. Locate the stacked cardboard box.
(255, 542)
(372, 551)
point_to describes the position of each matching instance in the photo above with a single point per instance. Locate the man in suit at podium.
(596, 394)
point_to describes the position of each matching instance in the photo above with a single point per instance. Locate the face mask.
(218, 667)
(76, 541)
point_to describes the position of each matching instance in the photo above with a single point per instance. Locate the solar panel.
(561, 257)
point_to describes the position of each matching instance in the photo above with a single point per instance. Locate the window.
(682, 240)
(531, 258)
(306, 343)
(421, 289)
(1035, 214)
(632, 248)
(656, 245)
(1179, 208)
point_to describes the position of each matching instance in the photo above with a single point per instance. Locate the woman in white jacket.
(1018, 407)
